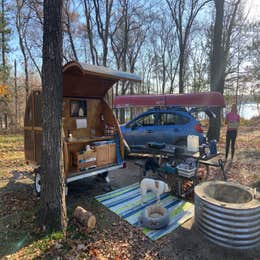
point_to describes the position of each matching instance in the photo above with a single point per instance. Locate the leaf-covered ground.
(112, 238)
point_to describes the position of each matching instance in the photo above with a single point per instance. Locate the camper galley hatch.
(91, 137)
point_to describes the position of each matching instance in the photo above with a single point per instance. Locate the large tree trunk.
(217, 68)
(181, 73)
(53, 206)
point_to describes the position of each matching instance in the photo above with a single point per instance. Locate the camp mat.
(126, 202)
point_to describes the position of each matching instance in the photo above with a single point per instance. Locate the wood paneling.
(29, 145)
(94, 109)
(28, 116)
(98, 114)
(90, 86)
(37, 113)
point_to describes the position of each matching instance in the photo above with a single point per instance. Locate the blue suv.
(169, 125)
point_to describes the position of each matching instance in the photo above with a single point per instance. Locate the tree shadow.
(17, 211)
(190, 243)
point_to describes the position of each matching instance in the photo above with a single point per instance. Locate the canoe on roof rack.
(198, 99)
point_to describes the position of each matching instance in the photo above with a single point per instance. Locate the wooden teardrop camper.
(92, 141)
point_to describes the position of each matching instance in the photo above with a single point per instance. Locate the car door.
(142, 130)
(174, 127)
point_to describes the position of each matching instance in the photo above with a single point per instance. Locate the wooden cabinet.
(106, 154)
(86, 159)
(112, 153)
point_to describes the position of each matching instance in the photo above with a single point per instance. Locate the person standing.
(232, 121)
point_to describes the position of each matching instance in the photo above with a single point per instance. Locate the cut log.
(84, 219)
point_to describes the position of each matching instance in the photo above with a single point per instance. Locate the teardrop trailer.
(91, 137)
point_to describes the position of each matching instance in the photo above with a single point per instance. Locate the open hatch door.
(207, 111)
(85, 80)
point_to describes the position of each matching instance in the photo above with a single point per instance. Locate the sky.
(253, 7)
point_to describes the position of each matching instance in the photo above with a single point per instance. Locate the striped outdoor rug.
(126, 202)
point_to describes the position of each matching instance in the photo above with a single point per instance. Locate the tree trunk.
(68, 26)
(122, 115)
(181, 73)
(52, 207)
(15, 96)
(6, 120)
(217, 68)
(3, 34)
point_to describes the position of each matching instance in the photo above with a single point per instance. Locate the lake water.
(249, 110)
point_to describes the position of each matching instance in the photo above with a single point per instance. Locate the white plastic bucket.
(192, 143)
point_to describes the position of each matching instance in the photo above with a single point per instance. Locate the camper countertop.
(74, 140)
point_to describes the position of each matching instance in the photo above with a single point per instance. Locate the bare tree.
(21, 24)
(98, 14)
(221, 50)
(183, 14)
(32, 35)
(53, 205)
(127, 38)
(68, 16)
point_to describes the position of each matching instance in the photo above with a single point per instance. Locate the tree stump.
(84, 219)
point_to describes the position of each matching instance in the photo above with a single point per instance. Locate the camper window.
(78, 108)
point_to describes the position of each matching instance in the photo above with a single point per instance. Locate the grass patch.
(10, 143)
(43, 244)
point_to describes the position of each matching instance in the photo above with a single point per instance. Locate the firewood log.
(84, 219)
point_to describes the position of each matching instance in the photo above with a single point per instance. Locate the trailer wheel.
(37, 183)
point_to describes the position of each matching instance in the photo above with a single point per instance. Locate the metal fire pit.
(228, 214)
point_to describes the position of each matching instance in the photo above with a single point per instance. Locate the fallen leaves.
(113, 238)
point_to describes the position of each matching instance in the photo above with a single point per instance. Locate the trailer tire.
(162, 219)
(37, 182)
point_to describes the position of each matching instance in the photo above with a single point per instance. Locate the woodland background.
(169, 43)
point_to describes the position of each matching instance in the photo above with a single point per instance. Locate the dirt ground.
(113, 238)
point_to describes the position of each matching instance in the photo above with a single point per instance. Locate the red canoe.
(199, 99)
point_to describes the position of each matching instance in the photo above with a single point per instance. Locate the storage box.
(192, 143)
(112, 153)
(86, 159)
(106, 154)
(186, 172)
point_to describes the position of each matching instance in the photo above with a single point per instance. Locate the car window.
(172, 119)
(146, 120)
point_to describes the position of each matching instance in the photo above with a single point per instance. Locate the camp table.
(182, 185)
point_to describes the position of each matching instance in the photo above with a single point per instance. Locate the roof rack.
(178, 108)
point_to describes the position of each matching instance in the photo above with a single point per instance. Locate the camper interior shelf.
(95, 154)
